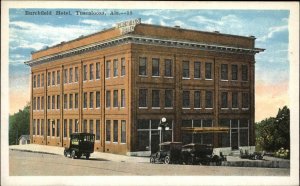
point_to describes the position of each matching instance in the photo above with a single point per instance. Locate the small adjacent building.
(24, 140)
(118, 84)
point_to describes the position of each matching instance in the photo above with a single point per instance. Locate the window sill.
(155, 76)
(186, 78)
(208, 108)
(155, 108)
(225, 80)
(197, 78)
(224, 108)
(209, 79)
(143, 107)
(144, 76)
(168, 108)
(235, 108)
(169, 77)
(186, 108)
(197, 108)
(115, 142)
(245, 108)
(107, 141)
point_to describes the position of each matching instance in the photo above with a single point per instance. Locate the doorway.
(154, 141)
(234, 139)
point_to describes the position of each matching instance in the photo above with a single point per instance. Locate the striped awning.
(205, 129)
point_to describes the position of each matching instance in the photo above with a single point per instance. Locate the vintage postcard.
(149, 93)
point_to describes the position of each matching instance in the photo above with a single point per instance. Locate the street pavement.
(270, 162)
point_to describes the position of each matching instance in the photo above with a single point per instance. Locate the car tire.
(65, 153)
(73, 154)
(152, 160)
(87, 156)
(167, 160)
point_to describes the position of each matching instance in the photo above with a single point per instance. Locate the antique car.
(194, 153)
(169, 153)
(81, 144)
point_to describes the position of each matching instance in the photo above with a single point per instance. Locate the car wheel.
(65, 153)
(219, 163)
(79, 155)
(167, 160)
(152, 160)
(73, 154)
(87, 156)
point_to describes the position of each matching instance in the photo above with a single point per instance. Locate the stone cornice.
(137, 39)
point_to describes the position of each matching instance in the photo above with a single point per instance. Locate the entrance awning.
(205, 129)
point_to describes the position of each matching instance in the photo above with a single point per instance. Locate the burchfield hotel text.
(118, 83)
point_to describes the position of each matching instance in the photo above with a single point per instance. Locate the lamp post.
(163, 125)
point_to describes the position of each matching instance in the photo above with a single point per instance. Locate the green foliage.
(274, 133)
(19, 124)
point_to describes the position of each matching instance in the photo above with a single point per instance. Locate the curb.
(262, 164)
(39, 152)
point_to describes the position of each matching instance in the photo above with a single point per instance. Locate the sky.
(29, 33)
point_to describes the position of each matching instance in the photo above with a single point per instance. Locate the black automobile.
(194, 153)
(81, 144)
(170, 152)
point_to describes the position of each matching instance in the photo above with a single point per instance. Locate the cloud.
(272, 32)
(148, 21)
(93, 22)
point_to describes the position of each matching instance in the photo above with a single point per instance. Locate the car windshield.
(88, 138)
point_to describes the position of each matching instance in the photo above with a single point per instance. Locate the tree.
(19, 124)
(274, 133)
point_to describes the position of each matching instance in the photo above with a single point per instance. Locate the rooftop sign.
(128, 26)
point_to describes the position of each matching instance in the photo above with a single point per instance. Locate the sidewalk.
(235, 161)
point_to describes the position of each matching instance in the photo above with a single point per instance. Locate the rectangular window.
(168, 98)
(115, 98)
(115, 130)
(48, 103)
(91, 100)
(92, 126)
(97, 129)
(155, 67)
(107, 74)
(53, 128)
(208, 71)
(143, 98)
(76, 101)
(42, 127)
(107, 98)
(58, 128)
(58, 102)
(91, 71)
(98, 99)
(186, 99)
(84, 72)
(34, 103)
(38, 80)
(245, 100)
(98, 70)
(115, 67)
(71, 101)
(123, 99)
(76, 125)
(224, 71)
(65, 76)
(58, 77)
(76, 74)
(48, 78)
(197, 70)
(224, 101)
(107, 131)
(38, 103)
(42, 81)
(53, 102)
(70, 127)
(53, 78)
(234, 72)
(85, 125)
(155, 98)
(48, 127)
(168, 67)
(84, 100)
(234, 100)
(197, 99)
(185, 69)
(70, 75)
(42, 103)
(34, 81)
(38, 127)
(123, 131)
(208, 99)
(65, 127)
(244, 72)
(143, 66)
(123, 70)
(65, 101)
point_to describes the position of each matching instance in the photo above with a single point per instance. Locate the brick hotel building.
(118, 83)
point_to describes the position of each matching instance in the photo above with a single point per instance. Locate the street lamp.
(163, 125)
